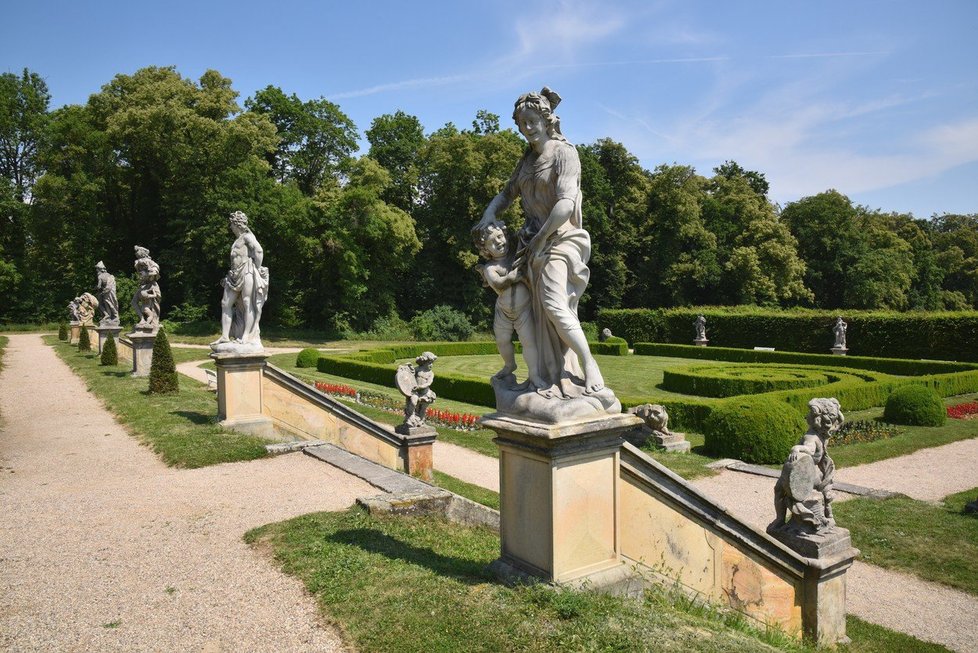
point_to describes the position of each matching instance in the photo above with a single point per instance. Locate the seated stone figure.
(803, 493)
(415, 384)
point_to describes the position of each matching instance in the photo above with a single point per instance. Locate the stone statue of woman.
(839, 331)
(108, 303)
(146, 300)
(553, 250)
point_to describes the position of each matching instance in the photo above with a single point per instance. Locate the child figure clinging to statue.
(513, 305)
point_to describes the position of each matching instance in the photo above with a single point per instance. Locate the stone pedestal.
(142, 352)
(700, 342)
(417, 449)
(559, 503)
(839, 351)
(675, 442)
(74, 333)
(104, 332)
(824, 604)
(239, 392)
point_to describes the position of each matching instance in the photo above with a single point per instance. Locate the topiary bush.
(915, 405)
(110, 354)
(163, 372)
(84, 341)
(308, 357)
(442, 323)
(756, 430)
(62, 330)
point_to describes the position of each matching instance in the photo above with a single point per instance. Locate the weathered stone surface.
(541, 285)
(700, 330)
(245, 292)
(85, 305)
(104, 332)
(108, 303)
(142, 352)
(239, 393)
(146, 300)
(415, 384)
(656, 428)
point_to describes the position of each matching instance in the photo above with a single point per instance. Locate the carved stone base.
(142, 352)
(559, 496)
(74, 332)
(700, 342)
(239, 393)
(417, 450)
(527, 404)
(839, 351)
(675, 442)
(240, 348)
(104, 332)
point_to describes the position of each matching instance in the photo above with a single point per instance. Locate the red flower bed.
(336, 389)
(460, 421)
(963, 411)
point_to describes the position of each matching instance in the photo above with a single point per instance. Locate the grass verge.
(403, 584)
(935, 542)
(182, 428)
(468, 490)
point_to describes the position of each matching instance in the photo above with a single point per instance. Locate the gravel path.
(467, 465)
(104, 548)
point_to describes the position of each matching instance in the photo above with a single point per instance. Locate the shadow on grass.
(116, 374)
(374, 541)
(196, 417)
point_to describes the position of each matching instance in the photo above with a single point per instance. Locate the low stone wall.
(124, 350)
(309, 414)
(671, 532)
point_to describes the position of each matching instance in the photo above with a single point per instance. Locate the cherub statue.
(513, 311)
(415, 384)
(86, 305)
(803, 493)
(655, 417)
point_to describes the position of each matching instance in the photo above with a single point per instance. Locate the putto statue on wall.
(146, 300)
(803, 493)
(415, 384)
(550, 262)
(108, 303)
(85, 305)
(245, 292)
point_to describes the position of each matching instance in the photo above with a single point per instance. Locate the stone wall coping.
(693, 504)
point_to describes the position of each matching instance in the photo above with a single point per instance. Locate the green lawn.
(936, 542)
(403, 584)
(467, 490)
(182, 428)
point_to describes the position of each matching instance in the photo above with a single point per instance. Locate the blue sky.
(878, 99)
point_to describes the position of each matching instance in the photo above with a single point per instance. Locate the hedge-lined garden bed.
(951, 336)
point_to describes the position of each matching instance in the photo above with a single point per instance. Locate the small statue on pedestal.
(415, 384)
(108, 303)
(146, 300)
(656, 426)
(839, 331)
(803, 493)
(700, 326)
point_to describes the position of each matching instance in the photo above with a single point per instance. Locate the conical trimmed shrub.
(84, 342)
(162, 373)
(62, 330)
(110, 355)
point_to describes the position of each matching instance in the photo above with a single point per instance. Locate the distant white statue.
(108, 303)
(700, 326)
(839, 330)
(552, 253)
(245, 291)
(146, 300)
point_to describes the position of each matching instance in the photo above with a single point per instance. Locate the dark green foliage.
(758, 430)
(84, 340)
(915, 405)
(62, 330)
(163, 372)
(442, 323)
(610, 347)
(730, 381)
(110, 354)
(308, 357)
(935, 336)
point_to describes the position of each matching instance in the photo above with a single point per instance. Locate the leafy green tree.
(732, 170)
(316, 137)
(395, 143)
(955, 239)
(675, 261)
(24, 101)
(162, 371)
(881, 271)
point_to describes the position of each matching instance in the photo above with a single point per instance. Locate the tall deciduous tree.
(316, 137)
(395, 143)
(24, 103)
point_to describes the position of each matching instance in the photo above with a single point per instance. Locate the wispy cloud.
(826, 55)
(413, 84)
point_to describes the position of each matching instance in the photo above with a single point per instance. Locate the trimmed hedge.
(110, 354)
(84, 340)
(898, 366)
(933, 335)
(62, 330)
(757, 430)
(915, 405)
(308, 357)
(611, 347)
(730, 381)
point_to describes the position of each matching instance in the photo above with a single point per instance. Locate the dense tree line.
(159, 160)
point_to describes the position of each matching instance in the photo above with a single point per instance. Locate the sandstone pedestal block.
(142, 352)
(417, 449)
(559, 502)
(104, 332)
(701, 342)
(839, 351)
(74, 333)
(824, 602)
(239, 393)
